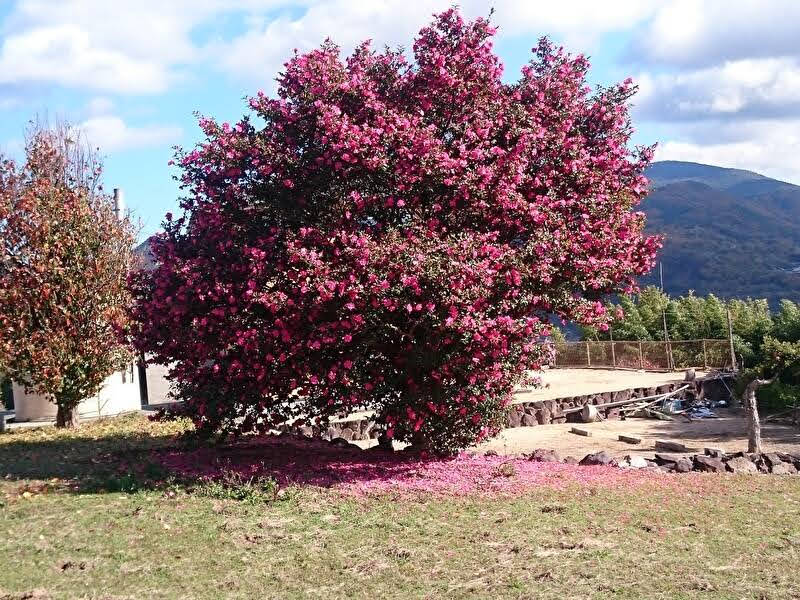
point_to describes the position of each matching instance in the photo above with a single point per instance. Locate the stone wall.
(540, 412)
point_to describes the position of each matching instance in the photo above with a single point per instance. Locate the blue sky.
(720, 80)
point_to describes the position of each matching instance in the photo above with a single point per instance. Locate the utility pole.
(661, 274)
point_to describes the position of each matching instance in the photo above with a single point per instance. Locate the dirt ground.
(562, 383)
(727, 433)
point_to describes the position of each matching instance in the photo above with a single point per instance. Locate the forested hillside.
(729, 232)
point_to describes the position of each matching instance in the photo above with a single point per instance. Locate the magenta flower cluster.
(395, 235)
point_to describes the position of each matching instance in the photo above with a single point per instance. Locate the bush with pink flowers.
(392, 235)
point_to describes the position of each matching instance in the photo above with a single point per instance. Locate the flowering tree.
(64, 258)
(392, 236)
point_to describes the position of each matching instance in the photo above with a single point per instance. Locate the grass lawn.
(79, 521)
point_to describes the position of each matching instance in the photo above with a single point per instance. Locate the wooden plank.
(671, 446)
(583, 432)
(630, 439)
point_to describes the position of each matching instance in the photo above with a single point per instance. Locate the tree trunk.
(67, 416)
(753, 422)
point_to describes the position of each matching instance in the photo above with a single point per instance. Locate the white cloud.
(725, 75)
(64, 55)
(723, 79)
(122, 47)
(770, 147)
(749, 88)
(580, 22)
(259, 53)
(99, 105)
(144, 46)
(111, 133)
(694, 33)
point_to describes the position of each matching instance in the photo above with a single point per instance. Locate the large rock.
(529, 420)
(544, 455)
(340, 442)
(598, 458)
(515, 418)
(622, 395)
(791, 458)
(783, 468)
(683, 465)
(665, 459)
(741, 464)
(632, 461)
(708, 464)
(543, 416)
(772, 459)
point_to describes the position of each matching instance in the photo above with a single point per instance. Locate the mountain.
(731, 232)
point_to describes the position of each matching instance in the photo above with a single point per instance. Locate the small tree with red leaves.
(64, 260)
(392, 236)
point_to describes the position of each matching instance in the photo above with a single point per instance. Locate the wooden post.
(613, 353)
(730, 339)
(641, 356)
(751, 407)
(705, 356)
(588, 356)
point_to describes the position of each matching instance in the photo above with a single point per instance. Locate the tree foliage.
(765, 342)
(64, 258)
(392, 235)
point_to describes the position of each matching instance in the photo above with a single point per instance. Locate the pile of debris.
(712, 461)
(689, 402)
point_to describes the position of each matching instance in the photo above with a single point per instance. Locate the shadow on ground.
(132, 455)
(85, 461)
(129, 456)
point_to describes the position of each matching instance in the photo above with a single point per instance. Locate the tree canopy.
(392, 235)
(64, 260)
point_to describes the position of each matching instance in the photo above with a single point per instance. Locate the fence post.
(705, 356)
(588, 356)
(641, 356)
(667, 345)
(730, 339)
(613, 353)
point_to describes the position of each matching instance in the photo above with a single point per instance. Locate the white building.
(122, 392)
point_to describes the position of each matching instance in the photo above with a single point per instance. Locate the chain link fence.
(648, 355)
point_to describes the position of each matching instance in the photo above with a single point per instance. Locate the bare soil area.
(562, 383)
(728, 433)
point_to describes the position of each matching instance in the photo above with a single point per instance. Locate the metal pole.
(588, 356)
(613, 354)
(641, 356)
(667, 347)
(661, 275)
(730, 339)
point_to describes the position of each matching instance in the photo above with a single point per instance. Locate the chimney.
(119, 204)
